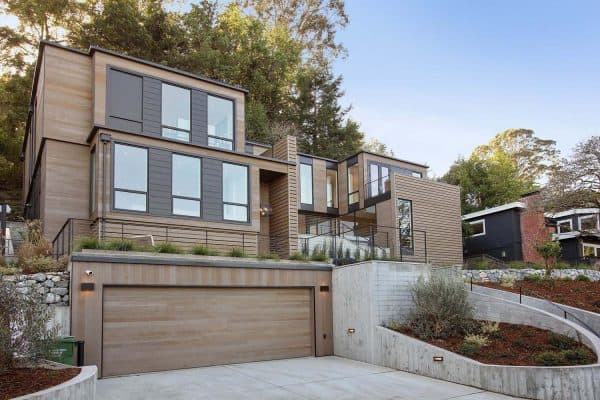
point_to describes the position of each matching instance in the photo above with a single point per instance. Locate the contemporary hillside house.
(119, 147)
(578, 231)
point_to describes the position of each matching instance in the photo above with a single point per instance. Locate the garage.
(148, 328)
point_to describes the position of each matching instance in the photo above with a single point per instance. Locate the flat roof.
(494, 210)
(573, 211)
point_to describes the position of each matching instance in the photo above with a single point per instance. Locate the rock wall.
(50, 287)
(495, 275)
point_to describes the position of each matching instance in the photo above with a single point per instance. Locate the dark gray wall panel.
(124, 125)
(199, 130)
(212, 189)
(502, 236)
(151, 106)
(124, 95)
(159, 185)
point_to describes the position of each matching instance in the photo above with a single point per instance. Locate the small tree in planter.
(24, 333)
(549, 250)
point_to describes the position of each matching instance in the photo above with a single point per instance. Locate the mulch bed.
(584, 295)
(21, 381)
(511, 345)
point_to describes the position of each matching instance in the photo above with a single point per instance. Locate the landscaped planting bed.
(512, 344)
(575, 293)
(21, 381)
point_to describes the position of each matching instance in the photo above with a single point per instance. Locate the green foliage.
(562, 342)
(562, 265)
(479, 340)
(201, 250)
(481, 265)
(375, 146)
(549, 250)
(119, 245)
(298, 257)
(24, 329)
(268, 256)
(357, 254)
(578, 356)
(236, 252)
(44, 264)
(469, 349)
(490, 328)
(5, 270)
(507, 281)
(517, 265)
(167, 247)
(441, 307)
(533, 278)
(88, 243)
(583, 278)
(550, 358)
(318, 257)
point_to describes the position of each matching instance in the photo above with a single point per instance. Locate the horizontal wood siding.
(159, 178)
(152, 99)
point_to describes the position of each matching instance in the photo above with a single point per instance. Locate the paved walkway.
(331, 378)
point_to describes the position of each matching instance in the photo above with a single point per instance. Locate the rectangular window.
(176, 104)
(220, 123)
(306, 184)
(385, 180)
(235, 192)
(332, 188)
(353, 184)
(564, 226)
(591, 250)
(405, 222)
(373, 180)
(477, 227)
(130, 178)
(125, 100)
(186, 185)
(588, 223)
(379, 180)
(92, 205)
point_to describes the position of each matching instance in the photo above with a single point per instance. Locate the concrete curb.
(82, 387)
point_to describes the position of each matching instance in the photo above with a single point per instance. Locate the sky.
(433, 79)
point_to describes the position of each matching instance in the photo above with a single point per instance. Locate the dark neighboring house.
(495, 232)
(578, 231)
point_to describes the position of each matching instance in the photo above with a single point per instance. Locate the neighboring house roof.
(573, 211)
(494, 210)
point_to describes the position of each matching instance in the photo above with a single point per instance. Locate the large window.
(235, 192)
(332, 188)
(405, 222)
(130, 178)
(353, 184)
(186, 177)
(176, 112)
(564, 226)
(591, 250)
(588, 223)
(477, 227)
(306, 184)
(220, 122)
(379, 179)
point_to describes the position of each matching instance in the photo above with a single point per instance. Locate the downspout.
(105, 139)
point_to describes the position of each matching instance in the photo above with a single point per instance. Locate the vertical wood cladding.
(436, 210)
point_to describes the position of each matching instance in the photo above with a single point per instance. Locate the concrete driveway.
(332, 378)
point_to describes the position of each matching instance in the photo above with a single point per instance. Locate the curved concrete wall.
(82, 387)
(585, 318)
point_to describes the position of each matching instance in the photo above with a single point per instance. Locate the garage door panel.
(152, 329)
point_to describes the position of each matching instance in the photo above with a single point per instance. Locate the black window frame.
(174, 196)
(357, 191)
(233, 116)
(115, 189)
(163, 126)
(412, 231)
(312, 184)
(334, 206)
(381, 190)
(248, 190)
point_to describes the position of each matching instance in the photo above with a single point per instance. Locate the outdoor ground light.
(351, 331)
(438, 358)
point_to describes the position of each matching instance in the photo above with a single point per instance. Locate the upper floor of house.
(575, 221)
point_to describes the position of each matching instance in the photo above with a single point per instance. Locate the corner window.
(353, 184)
(130, 178)
(186, 186)
(332, 188)
(477, 227)
(564, 226)
(379, 180)
(405, 223)
(220, 123)
(588, 223)
(176, 112)
(235, 192)
(306, 184)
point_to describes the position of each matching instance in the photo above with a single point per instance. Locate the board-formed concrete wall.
(370, 294)
(82, 387)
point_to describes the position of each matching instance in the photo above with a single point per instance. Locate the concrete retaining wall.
(366, 295)
(588, 319)
(82, 387)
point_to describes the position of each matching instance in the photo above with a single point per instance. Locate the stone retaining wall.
(50, 287)
(495, 275)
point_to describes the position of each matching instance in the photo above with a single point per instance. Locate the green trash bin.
(65, 350)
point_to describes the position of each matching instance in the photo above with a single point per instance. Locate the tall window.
(186, 177)
(130, 178)
(379, 179)
(405, 223)
(235, 192)
(306, 184)
(332, 188)
(220, 123)
(353, 184)
(176, 112)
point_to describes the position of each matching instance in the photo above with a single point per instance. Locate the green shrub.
(34, 265)
(533, 278)
(441, 307)
(347, 254)
(469, 349)
(583, 278)
(490, 328)
(562, 265)
(236, 252)
(578, 356)
(10, 270)
(549, 358)
(267, 256)
(319, 257)
(481, 264)
(537, 266)
(88, 243)
(119, 245)
(517, 265)
(298, 257)
(479, 340)
(507, 281)
(357, 254)
(562, 342)
(394, 325)
(201, 250)
(167, 247)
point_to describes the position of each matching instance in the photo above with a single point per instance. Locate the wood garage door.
(161, 328)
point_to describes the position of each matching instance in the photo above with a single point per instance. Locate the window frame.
(248, 190)
(312, 184)
(559, 223)
(233, 116)
(114, 189)
(162, 125)
(579, 219)
(477, 221)
(596, 248)
(412, 229)
(174, 196)
(357, 191)
(336, 195)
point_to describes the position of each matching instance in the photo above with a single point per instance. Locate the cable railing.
(378, 187)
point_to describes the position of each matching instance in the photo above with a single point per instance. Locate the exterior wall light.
(351, 331)
(438, 358)
(89, 272)
(88, 286)
(324, 288)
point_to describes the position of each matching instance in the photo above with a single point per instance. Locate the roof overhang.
(494, 210)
